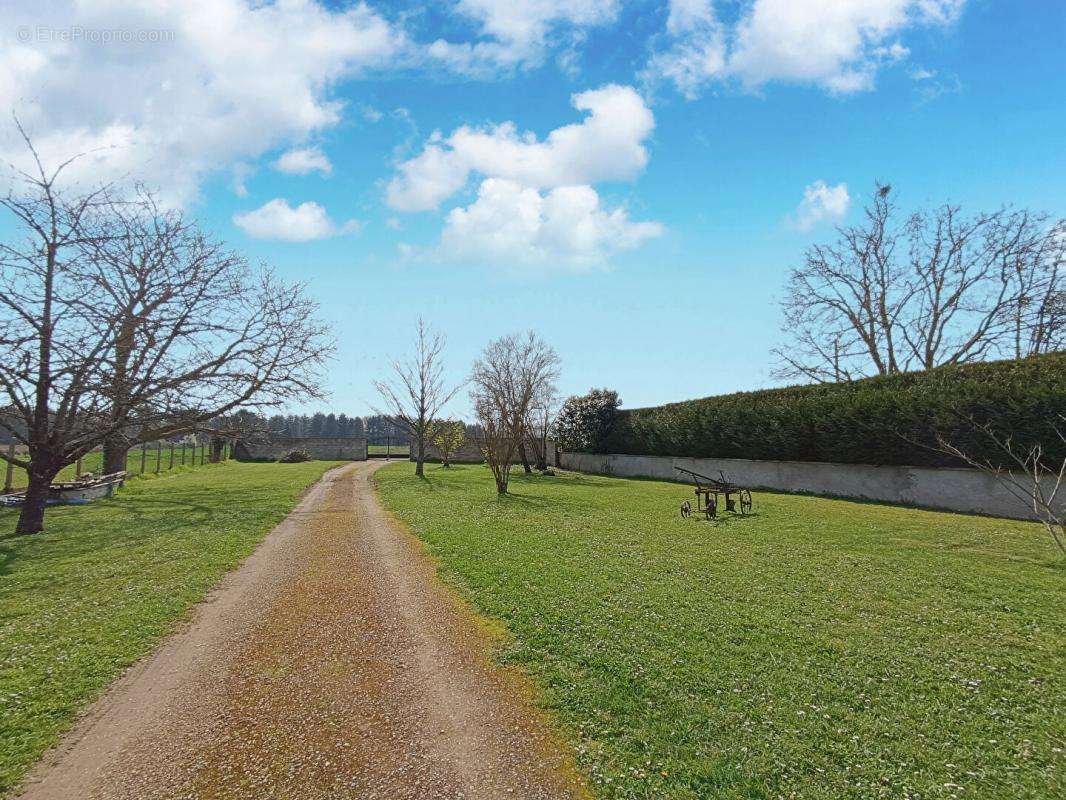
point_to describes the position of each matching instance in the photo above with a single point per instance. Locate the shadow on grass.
(63, 540)
(519, 499)
(175, 513)
(729, 519)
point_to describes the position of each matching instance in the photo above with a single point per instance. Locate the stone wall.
(324, 448)
(470, 453)
(965, 490)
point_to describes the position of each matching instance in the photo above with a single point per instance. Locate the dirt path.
(332, 664)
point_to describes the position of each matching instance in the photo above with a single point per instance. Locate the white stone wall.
(324, 448)
(965, 490)
(470, 453)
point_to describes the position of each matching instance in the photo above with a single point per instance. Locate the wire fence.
(152, 458)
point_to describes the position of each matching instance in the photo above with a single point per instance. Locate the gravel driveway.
(331, 664)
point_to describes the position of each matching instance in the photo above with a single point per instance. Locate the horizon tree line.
(321, 423)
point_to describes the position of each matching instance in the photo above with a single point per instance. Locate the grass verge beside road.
(818, 649)
(95, 592)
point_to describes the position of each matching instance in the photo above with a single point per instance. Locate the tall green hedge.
(884, 420)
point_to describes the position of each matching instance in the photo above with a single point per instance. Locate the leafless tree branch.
(938, 288)
(417, 391)
(1027, 476)
(513, 373)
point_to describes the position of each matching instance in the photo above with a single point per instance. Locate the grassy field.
(818, 649)
(93, 462)
(98, 589)
(394, 450)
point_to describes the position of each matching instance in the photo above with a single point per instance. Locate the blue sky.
(652, 239)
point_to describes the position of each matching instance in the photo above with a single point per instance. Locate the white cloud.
(230, 80)
(516, 33)
(535, 203)
(278, 220)
(370, 114)
(697, 48)
(838, 45)
(303, 160)
(607, 145)
(512, 226)
(239, 175)
(821, 203)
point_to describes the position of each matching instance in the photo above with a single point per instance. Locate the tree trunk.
(524, 459)
(420, 456)
(216, 450)
(499, 473)
(542, 454)
(116, 452)
(31, 517)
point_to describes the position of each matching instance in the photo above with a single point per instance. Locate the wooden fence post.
(171, 456)
(203, 455)
(144, 455)
(183, 452)
(9, 478)
(77, 468)
(158, 456)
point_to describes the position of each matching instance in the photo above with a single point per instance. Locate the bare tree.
(1039, 316)
(938, 288)
(539, 423)
(447, 435)
(495, 437)
(111, 334)
(198, 333)
(48, 372)
(511, 374)
(1030, 475)
(417, 392)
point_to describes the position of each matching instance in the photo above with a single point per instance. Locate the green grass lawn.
(97, 590)
(93, 462)
(817, 649)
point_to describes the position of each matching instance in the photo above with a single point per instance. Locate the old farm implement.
(737, 498)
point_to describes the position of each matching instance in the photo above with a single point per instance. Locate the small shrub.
(295, 457)
(447, 436)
